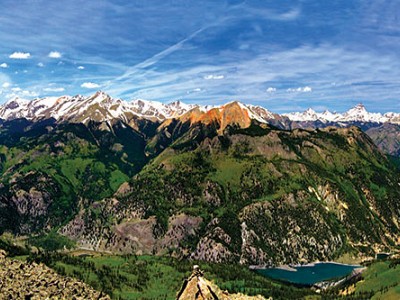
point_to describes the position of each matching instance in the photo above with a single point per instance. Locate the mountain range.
(384, 129)
(101, 107)
(229, 183)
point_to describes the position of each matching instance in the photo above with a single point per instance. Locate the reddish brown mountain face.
(230, 114)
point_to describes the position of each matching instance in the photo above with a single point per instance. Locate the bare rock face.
(196, 287)
(181, 228)
(214, 246)
(21, 280)
(28, 199)
(134, 234)
(291, 228)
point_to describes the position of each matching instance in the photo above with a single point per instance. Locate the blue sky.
(283, 55)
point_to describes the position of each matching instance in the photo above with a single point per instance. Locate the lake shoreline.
(323, 285)
(291, 267)
(319, 274)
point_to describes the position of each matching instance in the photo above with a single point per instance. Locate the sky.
(283, 55)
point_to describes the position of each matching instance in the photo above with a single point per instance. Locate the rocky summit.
(197, 287)
(21, 280)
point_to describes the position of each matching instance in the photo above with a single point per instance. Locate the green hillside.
(296, 196)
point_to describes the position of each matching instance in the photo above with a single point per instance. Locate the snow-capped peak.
(359, 113)
(257, 112)
(14, 108)
(307, 115)
(149, 109)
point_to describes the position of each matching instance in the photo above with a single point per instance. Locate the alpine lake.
(310, 274)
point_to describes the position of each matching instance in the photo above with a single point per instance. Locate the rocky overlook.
(197, 287)
(21, 280)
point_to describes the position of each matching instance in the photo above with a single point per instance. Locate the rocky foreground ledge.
(21, 280)
(196, 287)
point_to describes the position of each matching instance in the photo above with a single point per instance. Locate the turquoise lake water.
(309, 275)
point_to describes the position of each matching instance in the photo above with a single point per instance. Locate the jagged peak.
(176, 103)
(143, 102)
(310, 111)
(100, 93)
(233, 103)
(359, 106)
(16, 99)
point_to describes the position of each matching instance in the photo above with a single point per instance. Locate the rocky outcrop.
(290, 230)
(196, 287)
(21, 280)
(29, 198)
(134, 235)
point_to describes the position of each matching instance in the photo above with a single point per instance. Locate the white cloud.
(60, 89)
(29, 93)
(81, 68)
(18, 92)
(4, 66)
(305, 89)
(55, 54)
(90, 85)
(212, 76)
(40, 65)
(271, 90)
(5, 85)
(20, 55)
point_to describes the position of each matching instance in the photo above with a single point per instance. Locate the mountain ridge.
(102, 107)
(146, 116)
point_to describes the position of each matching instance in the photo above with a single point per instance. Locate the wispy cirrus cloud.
(213, 51)
(294, 70)
(213, 76)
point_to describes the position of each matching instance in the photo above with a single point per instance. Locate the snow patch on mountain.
(14, 108)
